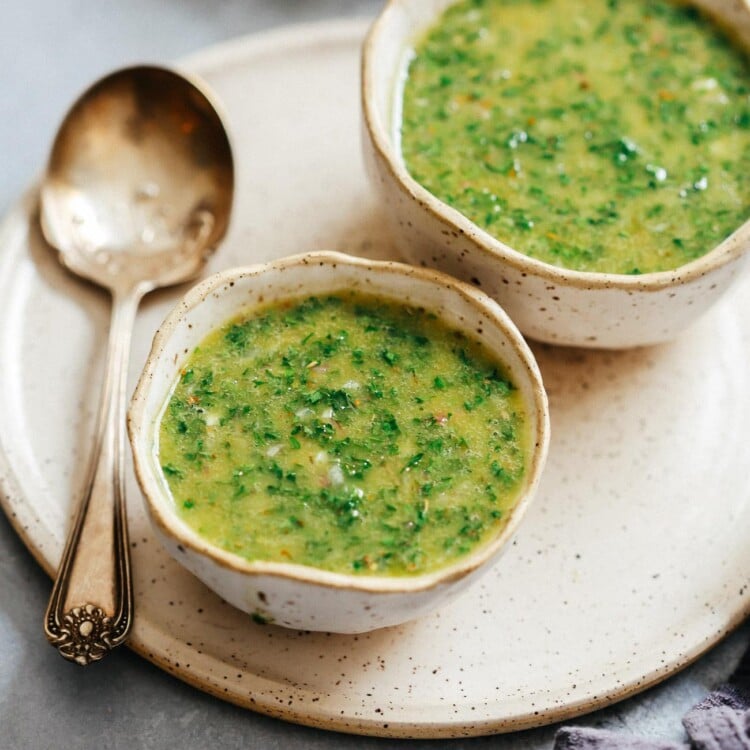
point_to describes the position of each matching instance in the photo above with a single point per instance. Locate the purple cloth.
(583, 738)
(721, 721)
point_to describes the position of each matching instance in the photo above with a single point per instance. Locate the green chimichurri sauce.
(345, 433)
(596, 135)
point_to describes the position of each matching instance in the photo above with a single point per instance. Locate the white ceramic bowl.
(546, 302)
(294, 595)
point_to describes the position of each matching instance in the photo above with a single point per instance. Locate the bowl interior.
(387, 53)
(390, 46)
(223, 296)
(388, 58)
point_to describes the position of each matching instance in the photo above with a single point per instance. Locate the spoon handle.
(91, 607)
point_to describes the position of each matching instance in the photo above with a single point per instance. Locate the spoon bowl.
(140, 179)
(137, 194)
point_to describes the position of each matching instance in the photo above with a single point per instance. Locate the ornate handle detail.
(85, 635)
(91, 607)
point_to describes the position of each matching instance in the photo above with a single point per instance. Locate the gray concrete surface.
(49, 50)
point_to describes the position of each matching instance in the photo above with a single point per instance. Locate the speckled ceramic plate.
(633, 560)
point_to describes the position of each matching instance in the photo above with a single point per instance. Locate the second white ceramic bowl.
(547, 303)
(294, 595)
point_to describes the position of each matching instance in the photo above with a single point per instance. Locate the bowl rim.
(162, 513)
(729, 249)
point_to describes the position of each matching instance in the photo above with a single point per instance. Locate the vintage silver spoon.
(137, 194)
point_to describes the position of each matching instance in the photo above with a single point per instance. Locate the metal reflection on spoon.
(137, 194)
